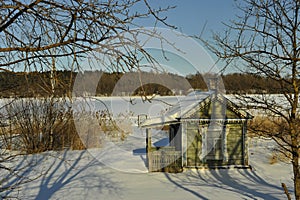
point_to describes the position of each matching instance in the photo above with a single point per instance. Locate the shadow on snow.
(243, 183)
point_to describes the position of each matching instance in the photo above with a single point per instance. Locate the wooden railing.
(164, 159)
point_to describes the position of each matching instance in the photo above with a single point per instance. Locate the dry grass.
(273, 159)
(278, 156)
(35, 127)
(276, 128)
(266, 126)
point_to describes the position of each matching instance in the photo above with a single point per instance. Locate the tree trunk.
(295, 136)
(296, 171)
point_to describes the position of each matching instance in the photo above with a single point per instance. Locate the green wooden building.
(205, 130)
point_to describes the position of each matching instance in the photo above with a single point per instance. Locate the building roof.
(191, 102)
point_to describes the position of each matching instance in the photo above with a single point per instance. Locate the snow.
(117, 171)
(120, 105)
(121, 174)
(178, 110)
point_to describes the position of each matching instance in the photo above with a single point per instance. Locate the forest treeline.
(101, 83)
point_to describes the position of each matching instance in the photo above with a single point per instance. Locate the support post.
(148, 146)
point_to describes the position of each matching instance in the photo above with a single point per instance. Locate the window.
(214, 145)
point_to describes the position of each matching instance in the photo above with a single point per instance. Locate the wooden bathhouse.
(205, 129)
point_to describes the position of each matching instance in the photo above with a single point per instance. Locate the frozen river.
(127, 105)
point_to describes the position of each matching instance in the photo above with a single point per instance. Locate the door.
(213, 145)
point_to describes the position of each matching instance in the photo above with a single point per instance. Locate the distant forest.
(36, 84)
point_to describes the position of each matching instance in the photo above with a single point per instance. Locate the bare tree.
(47, 35)
(265, 40)
(33, 32)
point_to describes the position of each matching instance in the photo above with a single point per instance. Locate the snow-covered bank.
(78, 175)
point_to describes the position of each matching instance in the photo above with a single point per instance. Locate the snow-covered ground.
(118, 171)
(120, 174)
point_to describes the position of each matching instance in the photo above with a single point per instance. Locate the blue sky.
(191, 17)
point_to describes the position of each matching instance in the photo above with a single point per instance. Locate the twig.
(286, 191)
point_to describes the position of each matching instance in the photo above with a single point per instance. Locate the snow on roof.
(182, 107)
(179, 109)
